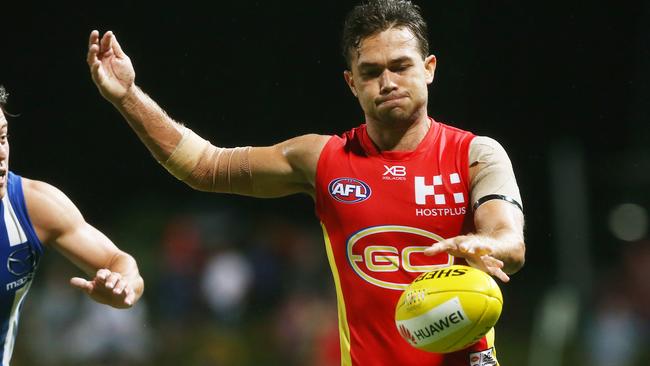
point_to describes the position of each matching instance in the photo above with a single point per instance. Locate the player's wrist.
(131, 96)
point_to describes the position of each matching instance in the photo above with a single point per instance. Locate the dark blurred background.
(239, 281)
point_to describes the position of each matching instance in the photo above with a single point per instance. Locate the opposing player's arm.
(286, 168)
(115, 279)
(497, 245)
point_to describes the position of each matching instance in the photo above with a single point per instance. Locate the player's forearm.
(508, 247)
(154, 127)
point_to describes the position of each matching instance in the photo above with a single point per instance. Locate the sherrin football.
(448, 309)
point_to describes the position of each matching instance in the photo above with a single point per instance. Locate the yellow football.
(448, 309)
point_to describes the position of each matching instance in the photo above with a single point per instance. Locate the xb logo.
(21, 261)
(395, 171)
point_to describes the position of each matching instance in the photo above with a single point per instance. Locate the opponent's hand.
(477, 252)
(110, 67)
(109, 288)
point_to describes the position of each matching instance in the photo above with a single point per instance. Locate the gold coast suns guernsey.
(379, 212)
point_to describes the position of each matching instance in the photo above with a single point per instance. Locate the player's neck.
(398, 137)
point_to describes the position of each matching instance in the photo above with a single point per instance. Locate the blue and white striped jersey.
(20, 251)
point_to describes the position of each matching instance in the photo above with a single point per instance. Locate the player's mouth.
(390, 98)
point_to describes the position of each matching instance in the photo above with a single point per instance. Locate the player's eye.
(370, 73)
(401, 67)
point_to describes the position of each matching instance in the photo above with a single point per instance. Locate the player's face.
(4, 155)
(390, 77)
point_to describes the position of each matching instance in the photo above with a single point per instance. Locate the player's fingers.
(491, 261)
(105, 42)
(112, 279)
(91, 57)
(498, 273)
(442, 246)
(494, 267)
(120, 285)
(102, 274)
(130, 296)
(116, 47)
(93, 38)
(81, 283)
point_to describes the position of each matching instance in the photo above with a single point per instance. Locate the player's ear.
(347, 74)
(430, 68)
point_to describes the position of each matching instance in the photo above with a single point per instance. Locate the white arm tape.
(495, 178)
(186, 155)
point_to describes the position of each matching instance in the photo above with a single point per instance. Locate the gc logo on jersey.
(349, 190)
(391, 256)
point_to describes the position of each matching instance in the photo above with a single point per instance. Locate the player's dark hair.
(3, 97)
(375, 16)
(3, 101)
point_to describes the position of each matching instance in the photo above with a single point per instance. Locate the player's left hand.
(110, 288)
(110, 68)
(476, 250)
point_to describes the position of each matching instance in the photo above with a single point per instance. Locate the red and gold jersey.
(379, 212)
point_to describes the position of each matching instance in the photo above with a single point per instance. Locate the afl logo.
(349, 190)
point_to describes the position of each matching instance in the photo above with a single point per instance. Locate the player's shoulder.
(50, 210)
(486, 140)
(484, 146)
(308, 144)
(43, 197)
(313, 139)
(35, 187)
(303, 151)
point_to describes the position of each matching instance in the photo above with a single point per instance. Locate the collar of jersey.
(371, 149)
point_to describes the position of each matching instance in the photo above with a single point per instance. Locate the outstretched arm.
(113, 74)
(497, 247)
(497, 244)
(282, 169)
(115, 279)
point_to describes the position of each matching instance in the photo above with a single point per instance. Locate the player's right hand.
(110, 67)
(107, 287)
(478, 251)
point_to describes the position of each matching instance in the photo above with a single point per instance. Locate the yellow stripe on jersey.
(489, 337)
(344, 330)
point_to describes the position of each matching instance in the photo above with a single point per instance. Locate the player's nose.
(387, 82)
